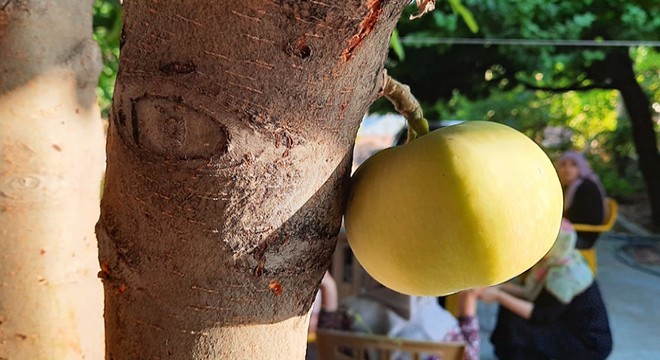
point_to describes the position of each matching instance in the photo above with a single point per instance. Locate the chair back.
(611, 212)
(342, 345)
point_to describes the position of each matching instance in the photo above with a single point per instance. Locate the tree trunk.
(229, 151)
(620, 68)
(51, 165)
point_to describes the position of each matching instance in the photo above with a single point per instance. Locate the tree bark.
(51, 165)
(620, 69)
(229, 151)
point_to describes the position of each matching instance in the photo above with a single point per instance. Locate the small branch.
(574, 87)
(407, 105)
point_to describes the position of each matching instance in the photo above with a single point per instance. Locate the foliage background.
(107, 31)
(475, 82)
(485, 81)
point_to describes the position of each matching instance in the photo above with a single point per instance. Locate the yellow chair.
(343, 345)
(611, 213)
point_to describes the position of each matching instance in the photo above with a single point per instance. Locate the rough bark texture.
(51, 164)
(620, 68)
(229, 152)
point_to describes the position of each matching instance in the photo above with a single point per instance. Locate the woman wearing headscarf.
(557, 314)
(584, 196)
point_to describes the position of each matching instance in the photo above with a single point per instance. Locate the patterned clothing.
(468, 333)
(563, 272)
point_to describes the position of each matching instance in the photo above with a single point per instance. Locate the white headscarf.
(563, 272)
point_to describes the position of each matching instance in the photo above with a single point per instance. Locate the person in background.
(324, 311)
(557, 314)
(584, 195)
(324, 314)
(381, 311)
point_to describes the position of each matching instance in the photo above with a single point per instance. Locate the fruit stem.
(407, 105)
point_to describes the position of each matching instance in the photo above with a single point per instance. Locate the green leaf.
(465, 14)
(396, 46)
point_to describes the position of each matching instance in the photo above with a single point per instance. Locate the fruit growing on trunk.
(465, 206)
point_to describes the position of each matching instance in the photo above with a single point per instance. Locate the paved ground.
(629, 277)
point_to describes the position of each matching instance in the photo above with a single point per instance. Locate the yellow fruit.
(465, 206)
